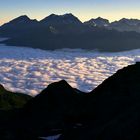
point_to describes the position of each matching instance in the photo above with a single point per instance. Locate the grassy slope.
(10, 100)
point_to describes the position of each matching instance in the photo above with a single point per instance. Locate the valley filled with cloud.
(28, 70)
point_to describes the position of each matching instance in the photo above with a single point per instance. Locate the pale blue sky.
(83, 9)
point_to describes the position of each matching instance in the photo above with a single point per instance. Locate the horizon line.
(39, 19)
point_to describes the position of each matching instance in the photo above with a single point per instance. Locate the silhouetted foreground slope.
(10, 105)
(109, 112)
(9, 100)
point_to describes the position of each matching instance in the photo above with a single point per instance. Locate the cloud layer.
(29, 70)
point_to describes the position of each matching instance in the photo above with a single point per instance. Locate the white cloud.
(31, 70)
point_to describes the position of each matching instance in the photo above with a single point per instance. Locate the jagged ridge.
(67, 31)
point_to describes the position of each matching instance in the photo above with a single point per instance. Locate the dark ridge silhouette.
(115, 109)
(109, 112)
(18, 26)
(126, 25)
(60, 19)
(20, 20)
(10, 100)
(122, 25)
(10, 106)
(99, 22)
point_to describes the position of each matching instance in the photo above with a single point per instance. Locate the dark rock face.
(10, 105)
(111, 111)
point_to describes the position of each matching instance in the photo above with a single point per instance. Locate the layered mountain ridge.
(100, 22)
(67, 31)
(122, 25)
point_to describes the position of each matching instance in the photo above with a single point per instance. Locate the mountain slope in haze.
(126, 25)
(67, 31)
(17, 26)
(122, 25)
(57, 38)
(99, 22)
(22, 20)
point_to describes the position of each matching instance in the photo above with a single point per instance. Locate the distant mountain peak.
(124, 20)
(68, 15)
(59, 85)
(55, 15)
(23, 17)
(21, 20)
(52, 15)
(100, 18)
(61, 19)
(126, 24)
(99, 21)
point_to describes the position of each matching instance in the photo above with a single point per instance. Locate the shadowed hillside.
(10, 100)
(111, 111)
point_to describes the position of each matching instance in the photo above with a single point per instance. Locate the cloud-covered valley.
(30, 70)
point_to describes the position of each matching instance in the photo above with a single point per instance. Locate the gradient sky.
(83, 9)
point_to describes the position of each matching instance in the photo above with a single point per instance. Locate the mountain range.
(110, 111)
(67, 31)
(122, 25)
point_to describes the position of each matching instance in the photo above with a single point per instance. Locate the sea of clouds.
(28, 70)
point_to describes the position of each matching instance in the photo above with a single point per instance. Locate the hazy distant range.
(67, 31)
